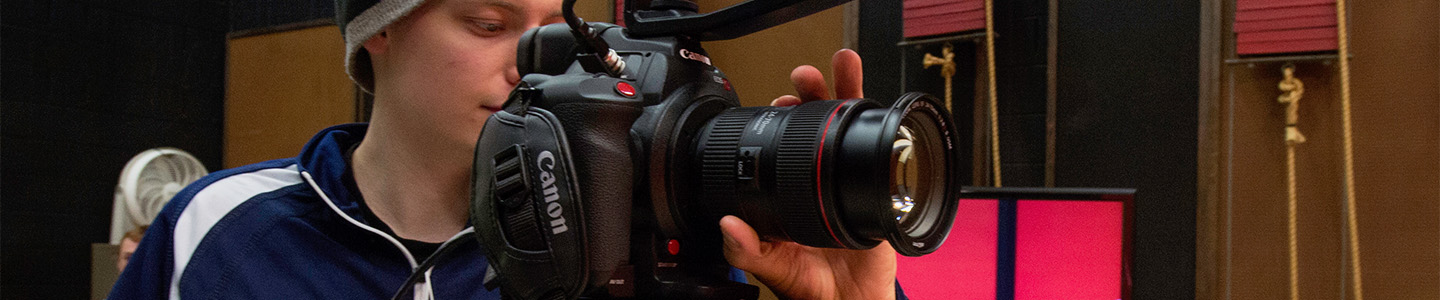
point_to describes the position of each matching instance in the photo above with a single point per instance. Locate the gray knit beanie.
(361, 19)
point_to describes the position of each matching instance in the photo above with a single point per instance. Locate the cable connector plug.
(595, 54)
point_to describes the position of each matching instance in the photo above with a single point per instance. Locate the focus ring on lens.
(795, 175)
(717, 159)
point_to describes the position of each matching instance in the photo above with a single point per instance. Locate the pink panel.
(1068, 249)
(964, 267)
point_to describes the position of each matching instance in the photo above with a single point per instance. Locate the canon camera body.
(611, 164)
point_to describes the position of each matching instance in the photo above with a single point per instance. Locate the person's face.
(450, 64)
(127, 248)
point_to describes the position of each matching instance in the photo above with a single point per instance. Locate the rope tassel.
(946, 61)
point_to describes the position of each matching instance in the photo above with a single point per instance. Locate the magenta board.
(963, 267)
(1068, 249)
(1074, 247)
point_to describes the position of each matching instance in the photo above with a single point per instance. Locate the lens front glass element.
(905, 163)
(917, 173)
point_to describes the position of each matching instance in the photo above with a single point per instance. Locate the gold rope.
(1294, 257)
(1344, 57)
(994, 112)
(1293, 90)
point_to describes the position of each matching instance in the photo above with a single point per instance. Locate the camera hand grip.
(599, 137)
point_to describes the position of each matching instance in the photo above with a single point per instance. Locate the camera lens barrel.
(835, 174)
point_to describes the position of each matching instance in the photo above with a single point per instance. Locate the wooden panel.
(1397, 146)
(1395, 86)
(759, 64)
(282, 89)
(1256, 208)
(595, 11)
(103, 257)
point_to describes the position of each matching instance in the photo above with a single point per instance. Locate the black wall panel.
(1126, 117)
(86, 85)
(1020, 63)
(248, 15)
(880, 28)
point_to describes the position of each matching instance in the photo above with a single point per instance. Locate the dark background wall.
(1126, 109)
(1020, 65)
(87, 85)
(252, 15)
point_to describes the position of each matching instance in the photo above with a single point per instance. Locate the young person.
(127, 247)
(364, 203)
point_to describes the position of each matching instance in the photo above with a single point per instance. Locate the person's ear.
(378, 43)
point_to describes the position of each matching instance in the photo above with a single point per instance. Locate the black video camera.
(612, 162)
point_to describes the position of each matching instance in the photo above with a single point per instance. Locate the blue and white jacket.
(286, 229)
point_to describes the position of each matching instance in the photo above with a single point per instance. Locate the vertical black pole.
(1005, 250)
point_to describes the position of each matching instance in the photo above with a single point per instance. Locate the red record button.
(625, 89)
(673, 246)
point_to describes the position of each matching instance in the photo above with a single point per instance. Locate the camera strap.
(526, 207)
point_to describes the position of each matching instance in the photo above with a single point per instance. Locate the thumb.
(743, 247)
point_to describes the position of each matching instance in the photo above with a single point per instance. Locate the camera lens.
(837, 173)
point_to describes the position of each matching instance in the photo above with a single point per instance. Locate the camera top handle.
(727, 23)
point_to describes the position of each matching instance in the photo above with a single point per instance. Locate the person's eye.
(486, 28)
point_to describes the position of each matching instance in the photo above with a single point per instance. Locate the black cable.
(419, 273)
(582, 31)
(595, 53)
(568, 9)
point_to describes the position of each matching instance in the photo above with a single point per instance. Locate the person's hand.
(796, 271)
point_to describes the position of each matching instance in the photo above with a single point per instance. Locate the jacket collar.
(324, 158)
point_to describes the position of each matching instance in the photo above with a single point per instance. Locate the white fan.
(149, 180)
